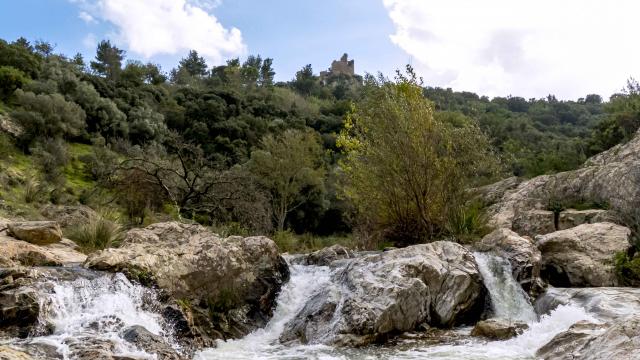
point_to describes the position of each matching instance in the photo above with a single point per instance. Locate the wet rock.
(36, 232)
(226, 286)
(19, 309)
(582, 256)
(534, 222)
(326, 256)
(498, 329)
(522, 253)
(606, 304)
(9, 353)
(584, 341)
(150, 343)
(376, 296)
(18, 252)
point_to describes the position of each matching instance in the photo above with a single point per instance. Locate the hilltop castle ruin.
(344, 66)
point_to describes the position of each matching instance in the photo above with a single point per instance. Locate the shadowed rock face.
(583, 256)
(225, 288)
(375, 296)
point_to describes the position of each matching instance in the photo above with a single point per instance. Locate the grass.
(97, 233)
(289, 242)
(627, 269)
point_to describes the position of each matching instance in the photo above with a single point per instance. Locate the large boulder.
(572, 218)
(378, 295)
(36, 232)
(224, 287)
(18, 252)
(534, 222)
(587, 341)
(522, 253)
(612, 178)
(68, 215)
(583, 256)
(9, 353)
(326, 256)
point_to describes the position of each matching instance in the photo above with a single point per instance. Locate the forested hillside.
(231, 148)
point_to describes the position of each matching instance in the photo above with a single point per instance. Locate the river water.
(102, 306)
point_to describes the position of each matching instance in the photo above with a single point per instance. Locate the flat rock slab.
(36, 232)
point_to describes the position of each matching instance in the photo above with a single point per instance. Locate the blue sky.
(527, 48)
(294, 33)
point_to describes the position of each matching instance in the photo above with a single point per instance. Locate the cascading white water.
(99, 309)
(305, 280)
(263, 343)
(508, 300)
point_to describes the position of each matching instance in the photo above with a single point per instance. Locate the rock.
(582, 256)
(9, 126)
(9, 353)
(492, 193)
(572, 218)
(522, 253)
(498, 329)
(375, 296)
(534, 222)
(606, 304)
(584, 341)
(326, 256)
(565, 344)
(23, 253)
(36, 232)
(68, 215)
(225, 287)
(612, 177)
(150, 343)
(19, 309)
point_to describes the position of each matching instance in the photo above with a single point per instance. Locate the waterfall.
(98, 309)
(263, 343)
(508, 300)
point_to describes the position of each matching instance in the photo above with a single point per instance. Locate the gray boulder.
(377, 295)
(586, 341)
(583, 256)
(605, 303)
(326, 256)
(225, 287)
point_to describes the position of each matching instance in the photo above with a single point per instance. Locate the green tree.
(108, 60)
(194, 64)
(47, 116)
(10, 80)
(405, 170)
(286, 166)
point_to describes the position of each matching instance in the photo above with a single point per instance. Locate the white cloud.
(156, 27)
(86, 17)
(90, 41)
(525, 48)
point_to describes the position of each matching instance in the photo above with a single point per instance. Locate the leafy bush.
(96, 234)
(290, 242)
(627, 268)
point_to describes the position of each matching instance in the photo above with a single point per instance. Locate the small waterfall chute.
(508, 300)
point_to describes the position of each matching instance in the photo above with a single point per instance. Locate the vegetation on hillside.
(230, 148)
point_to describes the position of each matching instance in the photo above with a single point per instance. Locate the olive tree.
(405, 170)
(288, 166)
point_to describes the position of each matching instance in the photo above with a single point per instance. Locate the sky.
(568, 48)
